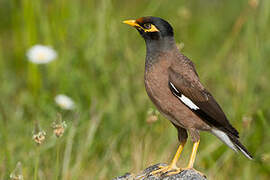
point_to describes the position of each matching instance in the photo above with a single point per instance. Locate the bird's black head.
(152, 28)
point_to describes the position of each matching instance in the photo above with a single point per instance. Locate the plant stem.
(57, 160)
(37, 163)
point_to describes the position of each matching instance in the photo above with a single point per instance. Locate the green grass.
(100, 66)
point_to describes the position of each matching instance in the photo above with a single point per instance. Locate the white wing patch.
(188, 102)
(184, 99)
(174, 88)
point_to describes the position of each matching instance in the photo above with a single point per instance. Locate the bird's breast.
(156, 84)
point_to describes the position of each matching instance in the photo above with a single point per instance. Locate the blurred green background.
(100, 66)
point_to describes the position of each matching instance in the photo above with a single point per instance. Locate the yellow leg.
(192, 158)
(172, 166)
(193, 154)
(177, 155)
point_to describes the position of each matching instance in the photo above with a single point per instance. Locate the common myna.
(173, 85)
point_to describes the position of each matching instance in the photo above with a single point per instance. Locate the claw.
(166, 170)
(161, 169)
(174, 171)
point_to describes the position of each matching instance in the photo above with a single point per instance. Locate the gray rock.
(189, 174)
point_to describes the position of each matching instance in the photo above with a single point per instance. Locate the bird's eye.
(147, 26)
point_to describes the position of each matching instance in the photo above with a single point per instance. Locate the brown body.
(181, 116)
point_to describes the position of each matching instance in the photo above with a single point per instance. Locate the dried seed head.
(59, 126)
(38, 134)
(151, 119)
(16, 174)
(39, 137)
(59, 129)
(152, 116)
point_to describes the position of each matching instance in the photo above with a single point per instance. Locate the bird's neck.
(155, 49)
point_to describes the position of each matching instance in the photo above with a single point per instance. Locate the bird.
(173, 85)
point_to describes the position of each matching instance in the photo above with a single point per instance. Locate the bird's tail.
(232, 141)
(241, 147)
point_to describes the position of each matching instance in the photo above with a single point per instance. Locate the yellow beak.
(132, 23)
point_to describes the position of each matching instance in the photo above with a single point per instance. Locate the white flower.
(64, 102)
(40, 54)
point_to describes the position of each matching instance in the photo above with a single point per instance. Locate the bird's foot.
(191, 168)
(166, 170)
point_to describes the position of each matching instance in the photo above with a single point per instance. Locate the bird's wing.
(188, 89)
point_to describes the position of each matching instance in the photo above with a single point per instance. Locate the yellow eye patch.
(152, 28)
